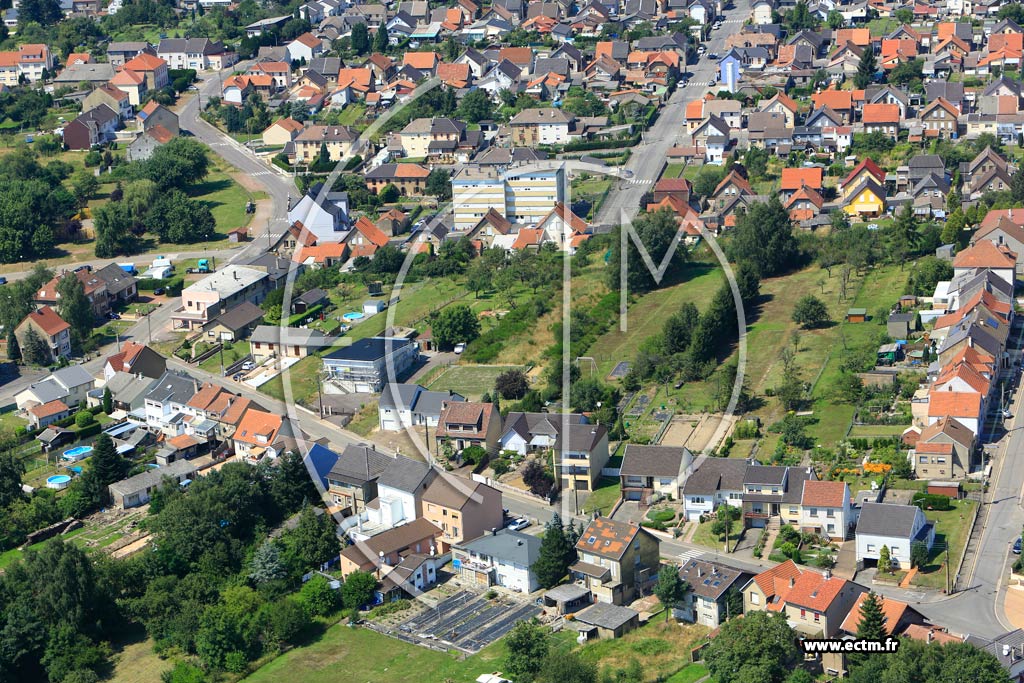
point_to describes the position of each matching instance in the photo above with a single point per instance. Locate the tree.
(708, 178)
(904, 235)
(556, 554)
(11, 469)
(107, 463)
(439, 184)
(177, 164)
(884, 560)
(74, 306)
(318, 596)
(42, 12)
(389, 194)
(1017, 186)
(455, 324)
(475, 106)
(479, 278)
(108, 401)
(539, 481)
(527, 645)
(34, 350)
(380, 39)
(760, 642)
(1013, 11)
(178, 219)
(918, 552)
(810, 311)
(670, 589)
(656, 231)
(800, 18)
(872, 620)
(679, 327)
(358, 589)
(954, 227)
(114, 225)
(266, 564)
(764, 238)
(835, 19)
(360, 39)
(512, 385)
(866, 69)
(314, 540)
(83, 186)
(907, 72)
(567, 667)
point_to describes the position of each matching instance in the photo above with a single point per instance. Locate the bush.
(83, 418)
(661, 515)
(931, 501)
(318, 596)
(501, 466)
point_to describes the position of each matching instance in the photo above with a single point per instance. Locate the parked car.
(1016, 546)
(872, 226)
(113, 316)
(1007, 414)
(248, 365)
(518, 524)
(159, 291)
(460, 347)
(3, 280)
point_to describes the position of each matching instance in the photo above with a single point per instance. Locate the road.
(669, 130)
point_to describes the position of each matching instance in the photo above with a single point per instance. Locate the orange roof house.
(368, 233)
(795, 178)
(840, 101)
(881, 114)
(861, 37)
(424, 61)
(865, 166)
(959, 404)
(257, 431)
(898, 615)
(454, 75)
(985, 254)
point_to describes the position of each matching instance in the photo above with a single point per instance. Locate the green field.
(689, 674)
(951, 530)
(472, 381)
(225, 197)
(673, 170)
(604, 496)
(703, 535)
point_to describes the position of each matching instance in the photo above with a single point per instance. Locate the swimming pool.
(58, 481)
(77, 453)
(354, 315)
(76, 470)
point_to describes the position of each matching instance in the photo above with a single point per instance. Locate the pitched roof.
(453, 492)
(838, 100)
(954, 403)
(887, 519)
(606, 537)
(654, 461)
(390, 541)
(985, 254)
(258, 428)
(795, 178)
(881, 113)
(892, 611)
(49, 409)
(813, 591)
(144, 62)
(370, 231)
(768, 580)
(949, 427)
(48, 320)
(421, 60)
(867, 165)
(833, 494)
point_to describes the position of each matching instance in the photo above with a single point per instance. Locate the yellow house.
(866, 199)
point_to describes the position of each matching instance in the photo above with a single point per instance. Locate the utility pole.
(949, 589)
(149, 321)
(222, 359)
(320, 396)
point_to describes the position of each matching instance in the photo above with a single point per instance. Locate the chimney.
(792, 582)
(519, 542)
(931, 635)
(1006, 650)
(828, 574)
(700, 573)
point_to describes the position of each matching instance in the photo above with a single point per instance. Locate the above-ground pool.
(76, 469)
(58, 481)
(354, 315)
(77, 453)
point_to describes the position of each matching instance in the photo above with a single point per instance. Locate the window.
(793, 510)
(871, 547)
(831, 513)
(817, 617)
(755, 599)
(697, 500)
(923, 459)
(803, 614)
(814, 512)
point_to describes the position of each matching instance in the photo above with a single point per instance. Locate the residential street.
(646, 161)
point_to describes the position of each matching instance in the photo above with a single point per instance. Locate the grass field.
(235, 352)
(703, 535)
(876, 431)
(136, 662)
(302, 379)
(951, 529)
(472, 381)
(691, 673)
(604, 496)
(673, 170)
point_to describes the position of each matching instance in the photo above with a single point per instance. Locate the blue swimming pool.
(76, 469)
(77, 453)
(58, 481)
(354, 315)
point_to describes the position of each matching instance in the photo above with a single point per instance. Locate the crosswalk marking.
(688, 555)
(640, 181)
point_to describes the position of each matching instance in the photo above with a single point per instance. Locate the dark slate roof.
(370, 349)
(510, 547)
(360, 464)
(716, 474)
(709, 579)
(242, 315)
(885, 519)
(404, 474)
(654, 461)
(765, 474)
(606, 615)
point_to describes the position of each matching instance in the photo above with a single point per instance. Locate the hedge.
(931, 501)
(173, 285)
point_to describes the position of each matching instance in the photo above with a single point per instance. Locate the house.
(281, 132)
(368, 364)
(200, 54)
(616, 560)
(500, 557)
(147, 143)
(765, 590)
(305, 48)
(112, 97)
(154, 114)
(94, 127)
(323, 215)
(259, 435)
(945, 450)
(605, 620)
(826, 509)
(399, 497)
(715, 595)
(235, 324)
(582, 452)
(1007, 648)
(897, 616)
(410, 179)
(529, 432)
(267, 342)
(939, 117)
(28, 63)
(120, 52)
(773, 492)
(94, 288)
(49, 327)
(352, 480)
(387, 549)
(713, 482)
(532, 127)
(817, 604)
(983, 254)
(217, 293)
(650, 472)
(898, 527)
(564, 228)
(136, 359)
(337, 139)
(468, 423)
(409, 405)
(461, 508)
(881, 118)
(138, 490)
(45, 414)
(415, 573)
(152, 68)
(900, 325)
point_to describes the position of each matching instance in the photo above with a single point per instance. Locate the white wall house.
(714, 481)
(500, 558)
(826, 508)
(897, 527)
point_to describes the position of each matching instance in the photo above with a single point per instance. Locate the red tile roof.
(832, 494)
(48, 321)
(813, 591)
(892, 610)
(55, 407)
(767, 580)
(985, 254)
(881, 113)
(958, 404)
(144, 62)
(256, 423)
(794, 178)
(607, 537)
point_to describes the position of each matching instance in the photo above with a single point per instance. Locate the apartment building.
(522, 195)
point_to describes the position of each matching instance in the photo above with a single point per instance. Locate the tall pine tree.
(107, 463)
(556, 554)
(872, 621)
(866, 69)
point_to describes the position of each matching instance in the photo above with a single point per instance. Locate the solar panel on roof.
(707, 582)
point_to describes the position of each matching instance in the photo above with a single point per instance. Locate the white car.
(519, 524)
(248, 365)
(872, 226)
(460, 347)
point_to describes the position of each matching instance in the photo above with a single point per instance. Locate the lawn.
(472, 381)
(137, 662)
(302, 377)
(604, 496)
(366, 420)
(10, 421)
(381, 660)
(673, 170)
(703, 535)
(951, 530)
(876, 431)
(226, 200)
(661, 647)
(234, 351)
(691, 673)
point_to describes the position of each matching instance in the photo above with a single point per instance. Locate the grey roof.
(152, 477)
(527, 425)
(567, 592)
(203, 46)
(52, 433)
(404, 474)
(415, 398)
(173, 386)
(127, 388)
(902, 317)
(94, 73)
(115, 277)
(886, 519)
(655, 461)
(73, 376)
(765, 474)
(360, 464)
(607, 615)
(371, 349)
(716, 474)
(1015, 639)
(709, 579)
(512, 547)
(48, 390)
(242, 315)
(328, 66)
(292, 336)
(127, 46)
(581, 437)
(275, 266)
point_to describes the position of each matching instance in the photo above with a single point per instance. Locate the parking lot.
(468, 621)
